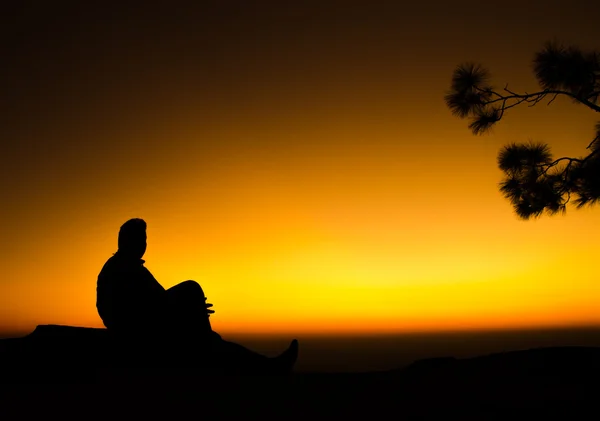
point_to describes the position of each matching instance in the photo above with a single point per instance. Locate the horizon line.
(19, 333)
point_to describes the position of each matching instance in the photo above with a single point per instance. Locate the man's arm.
(126, 301)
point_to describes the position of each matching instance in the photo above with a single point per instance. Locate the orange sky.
(298, 161)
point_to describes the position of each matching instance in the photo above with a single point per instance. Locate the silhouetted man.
(133, 305)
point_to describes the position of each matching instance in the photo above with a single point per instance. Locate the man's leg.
(190, 320)
(187, 310)
(234, 358)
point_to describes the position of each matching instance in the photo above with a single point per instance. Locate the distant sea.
(361, 353)
(390, 351)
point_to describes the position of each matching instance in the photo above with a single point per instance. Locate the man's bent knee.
(191, 285)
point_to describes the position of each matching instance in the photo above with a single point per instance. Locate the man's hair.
(131, 230)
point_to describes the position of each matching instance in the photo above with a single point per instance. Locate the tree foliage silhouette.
(535, 182)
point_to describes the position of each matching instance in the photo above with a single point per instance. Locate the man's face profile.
(140, 245)
(143, 244)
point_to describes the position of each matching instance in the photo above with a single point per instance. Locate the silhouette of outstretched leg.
(234, 358)
(188, 326)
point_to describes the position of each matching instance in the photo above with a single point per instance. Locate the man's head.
(132, 238)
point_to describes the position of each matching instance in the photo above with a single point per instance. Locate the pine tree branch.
(594, 140)
(534, 182)
(536, 97)
(565, 158)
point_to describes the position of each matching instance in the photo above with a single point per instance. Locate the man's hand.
(208, 310)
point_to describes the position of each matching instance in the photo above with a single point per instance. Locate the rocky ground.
(544, 383)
